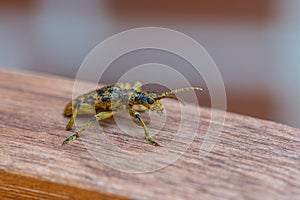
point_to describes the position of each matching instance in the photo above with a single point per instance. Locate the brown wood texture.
(252, 159)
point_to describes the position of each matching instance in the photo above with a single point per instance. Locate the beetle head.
(148, 99)
(151, 100)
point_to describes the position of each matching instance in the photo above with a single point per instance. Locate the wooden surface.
(253, 159)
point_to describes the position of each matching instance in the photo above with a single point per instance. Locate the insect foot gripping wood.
(122, 96)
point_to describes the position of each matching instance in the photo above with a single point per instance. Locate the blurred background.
(255, 44)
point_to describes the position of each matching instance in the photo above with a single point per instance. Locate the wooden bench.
(252, 158)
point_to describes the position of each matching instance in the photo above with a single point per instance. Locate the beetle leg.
(127, 86)
(80, 107)
(98, 117)
(137, 86)
(73, 117)
(143, 108)
(137, 115)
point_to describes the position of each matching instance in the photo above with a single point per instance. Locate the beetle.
(106, 101)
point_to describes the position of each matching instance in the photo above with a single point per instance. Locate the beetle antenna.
(171, 94)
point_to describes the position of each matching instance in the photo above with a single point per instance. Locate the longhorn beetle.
(108, 100)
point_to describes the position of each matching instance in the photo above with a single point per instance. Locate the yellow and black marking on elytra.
(108, 100)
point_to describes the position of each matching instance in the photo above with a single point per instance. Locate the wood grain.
(253, 158)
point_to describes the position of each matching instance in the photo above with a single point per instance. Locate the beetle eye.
(144, 99)
(150, 100)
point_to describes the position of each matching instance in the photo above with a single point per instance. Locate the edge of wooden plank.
(33, 188)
